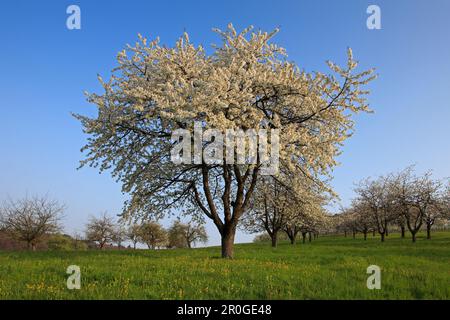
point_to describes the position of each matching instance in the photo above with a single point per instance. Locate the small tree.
(377, 198)
(119, 235)
(417, 199)
(101, 230)
(133, 234)
(182, 235)
(400, 221)
(270, 209)
(361, 219)
(291, 229)
(341, 222)
(279, 204)
(30, 219)
(153, 234)
(404, 193)
(175, 235)
(195, 233)
(438, 203)
(442, 206)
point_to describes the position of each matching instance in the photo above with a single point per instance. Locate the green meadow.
(328, 268)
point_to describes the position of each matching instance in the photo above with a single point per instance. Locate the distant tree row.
(404, 200)
(277, 210)
(36, 221)
(398, 201)
(104, 230)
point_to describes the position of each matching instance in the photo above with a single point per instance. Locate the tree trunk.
(373, 233)
(292, 238)
(228, 242)
(304, 237)
(134, 245)
(387, 232)
(428, 231)
(345, 234)
(403, 231)
(292, 234)
(382, 236)
(309, 236)
(413, 236)
(365, 235)
(31, 246)
(274, 238)
(354, 234)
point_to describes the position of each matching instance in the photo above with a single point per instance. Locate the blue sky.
(45, 68)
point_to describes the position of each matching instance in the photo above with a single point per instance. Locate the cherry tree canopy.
(246, 83)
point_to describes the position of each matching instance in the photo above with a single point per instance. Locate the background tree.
(360, 218)
(350, 220)
(304, 230)
(340, 223)
(101, 230)
(30, 219)
(416, 199)
(317, 222)
(310, 222)
(175, 235)
(133, 234)
(185, 235)
(291, 228)
(153, 235)
(247, 83)
(195, 234)
(272, 208)
(376, 196)
(403, 188)
(119, 235)
(400, 221)
(438, 208)
(443, 204)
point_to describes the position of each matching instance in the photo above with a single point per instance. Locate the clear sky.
(44, 69)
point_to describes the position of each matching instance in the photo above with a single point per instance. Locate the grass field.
(328, 268)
